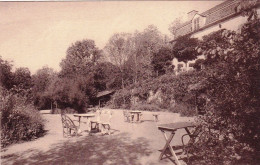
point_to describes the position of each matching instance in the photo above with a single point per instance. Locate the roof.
(215, 15)
(104, 93)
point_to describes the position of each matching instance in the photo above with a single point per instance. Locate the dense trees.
(184, 48)
(231, 122)
(41, 81)
(133, 53)
(175, 25)
(80, 58)
(162, 61)
(5, 74)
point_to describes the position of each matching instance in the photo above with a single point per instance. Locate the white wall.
(231, 24)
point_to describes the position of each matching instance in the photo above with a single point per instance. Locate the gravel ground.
(129, 143)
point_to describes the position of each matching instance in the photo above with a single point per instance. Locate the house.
(226, 15)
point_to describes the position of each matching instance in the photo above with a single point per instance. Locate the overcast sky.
(36, 34)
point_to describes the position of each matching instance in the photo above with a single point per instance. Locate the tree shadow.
(94, 150)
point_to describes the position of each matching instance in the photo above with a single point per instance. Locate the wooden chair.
(94, 124)
(194, 137)
(156, 118)
(68, 126)
(127, 116)
(105, 122)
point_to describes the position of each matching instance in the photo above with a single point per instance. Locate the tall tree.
(118, 50)
(175, 25)
(22, 78)
(41, 81)
(161, 60)
(146, 43)
(184, 48)
(5, 74)
(81, 57)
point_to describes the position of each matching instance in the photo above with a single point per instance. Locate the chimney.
(191, 14)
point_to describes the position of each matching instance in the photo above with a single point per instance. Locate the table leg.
(88, 124)
(79, 121)
(168, 145)
(132, 117)
(137, 117)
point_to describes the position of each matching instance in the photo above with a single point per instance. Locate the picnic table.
(137, 113)
(172, 128)
(88, 115)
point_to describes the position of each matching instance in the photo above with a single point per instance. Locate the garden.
(222, 96)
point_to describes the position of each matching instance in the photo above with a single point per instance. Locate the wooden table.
(88, 115)
(138, 113)
(172, 127)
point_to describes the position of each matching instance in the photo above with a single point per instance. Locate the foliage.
(19, 120)
(118, 48)
(22, 78)
(66, 111)
(146, 43)
(41, 81)
(106, 76)
(161, 61)
(74, 93)
(80, 59)
(175, 25)
(175, 95)
(183, 109)
(132, 53)
(198, 64)
(184, 48)
(231, 123)
(6, 76)
(146, 107)
(122, 99)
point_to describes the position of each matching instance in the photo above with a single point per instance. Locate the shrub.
(66, 110)
(122, 99)
(146, 107)
(231, 123)
(19, 121)
(183, 109)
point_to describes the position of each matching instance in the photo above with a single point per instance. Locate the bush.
(19, 121)
(66, 110)
(122, 99)
(146, 107)
(183, 109)
(231, 121)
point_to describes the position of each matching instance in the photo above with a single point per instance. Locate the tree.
(80, 59)
(162, 60)
(75, 93)
(118, 51)
(41, 81)
(231, 122)
(175, 25)
(6, 75)
(184, 48)
(146, 43)
(105, 76)
(22, 78)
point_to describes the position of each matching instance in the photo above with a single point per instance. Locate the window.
(196, 24)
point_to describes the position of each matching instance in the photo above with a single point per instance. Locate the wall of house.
(231, 24)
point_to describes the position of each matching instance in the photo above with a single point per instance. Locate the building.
(226, 15)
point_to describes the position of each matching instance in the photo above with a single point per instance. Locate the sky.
(37, 34)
